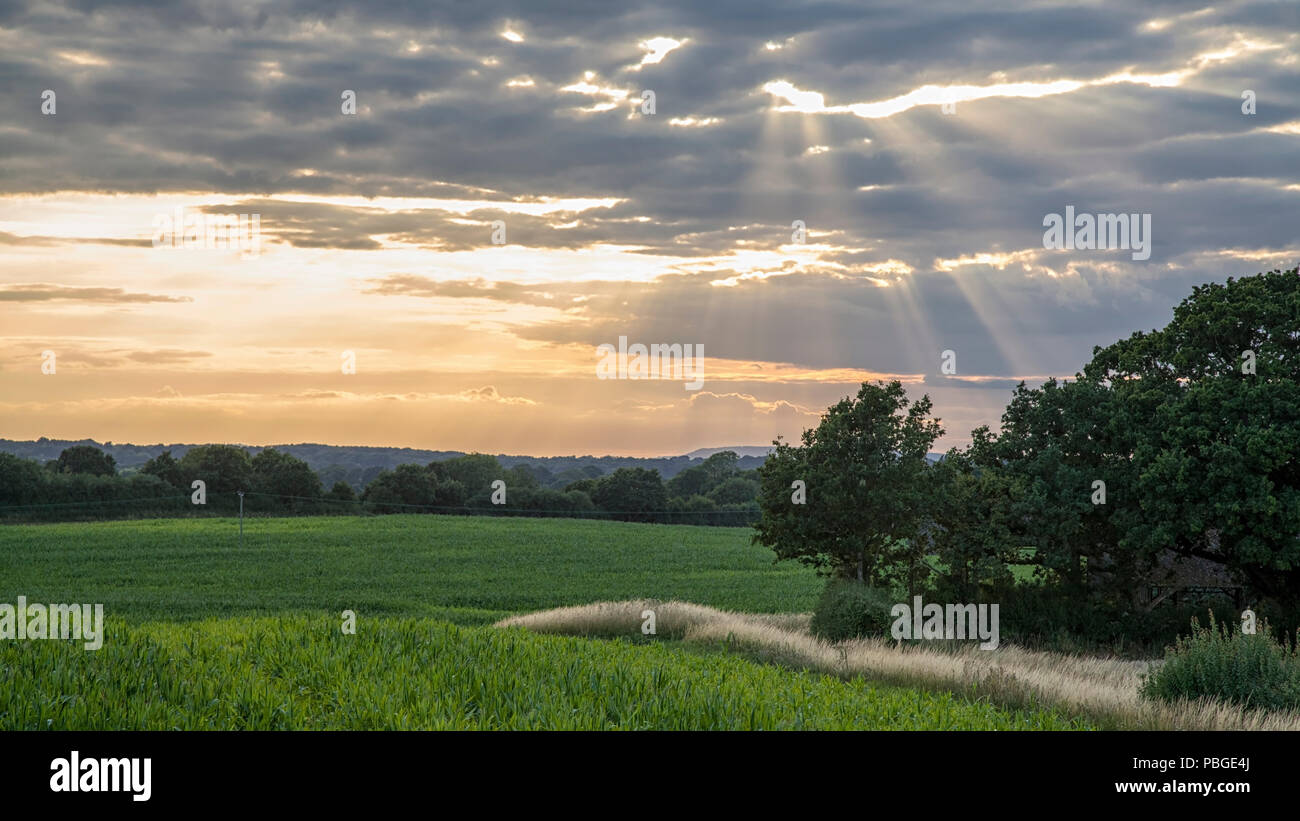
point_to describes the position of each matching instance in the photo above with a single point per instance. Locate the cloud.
(924, 229)
(489, 394)
(166, 357)
(40, 292)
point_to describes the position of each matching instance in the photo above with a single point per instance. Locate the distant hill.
(761, 451)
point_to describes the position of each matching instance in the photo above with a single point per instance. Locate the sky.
(816, 193)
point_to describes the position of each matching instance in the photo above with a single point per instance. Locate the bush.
(1253, 671)
(850, 609)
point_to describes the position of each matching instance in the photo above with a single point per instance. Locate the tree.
(400, 489)
(863, 468)
(521, 477)
(635, 494)
(1056, 444)
(969, 525)
(587, 486)
(332, 474)
(450, 494)
(690, 482)
(700, 510)
(475, 471)
(22, 481)
(537, 476)
(578, 501)
(85, 459)
(282, 475)
(734, 491)
(1191, 432)
(720, 466)
(341, 492)
(1214, 443)
(166, 468)
(224, 468)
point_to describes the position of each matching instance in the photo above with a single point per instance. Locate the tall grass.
(1100, 691)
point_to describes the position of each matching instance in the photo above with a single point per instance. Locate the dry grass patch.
(1102, 690)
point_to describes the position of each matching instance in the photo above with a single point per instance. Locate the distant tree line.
(84, 483)
(358, 465)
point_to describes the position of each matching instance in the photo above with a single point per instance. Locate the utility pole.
(241, 518)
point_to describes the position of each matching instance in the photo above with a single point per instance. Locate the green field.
(468, 570)
(205, 634)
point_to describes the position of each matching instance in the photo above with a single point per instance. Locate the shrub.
(1253, 671)
(849, 609)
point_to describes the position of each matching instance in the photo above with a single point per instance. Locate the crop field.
(204, 634)
(467, 570)
(302, 673)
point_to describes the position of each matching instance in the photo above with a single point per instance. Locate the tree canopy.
(85, 459)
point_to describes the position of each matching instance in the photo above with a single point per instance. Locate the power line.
(499, 508)
(97, 502)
